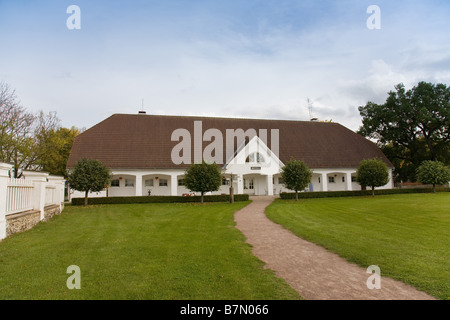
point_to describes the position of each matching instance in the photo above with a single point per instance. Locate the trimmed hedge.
(158, 199)
(357, 193)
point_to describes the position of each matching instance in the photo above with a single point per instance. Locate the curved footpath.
(314, 272)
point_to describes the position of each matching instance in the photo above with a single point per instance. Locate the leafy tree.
(57, 145)
(203, 177)
(296, 176)
(89, 175)
(372, 173)
(433, 172)
(404, 160)
(413, 125)
(22, 133)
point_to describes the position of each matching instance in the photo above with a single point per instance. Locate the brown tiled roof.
(140, 141)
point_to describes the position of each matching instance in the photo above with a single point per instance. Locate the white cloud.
(381, 79)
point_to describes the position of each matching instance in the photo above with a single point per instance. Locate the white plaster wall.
(122, 190)
(337, 185)
(356, 186)
(78, 194)
(259, 178)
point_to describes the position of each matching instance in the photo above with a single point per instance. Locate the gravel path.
(314, 272)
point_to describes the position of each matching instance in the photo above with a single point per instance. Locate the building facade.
(149, 154)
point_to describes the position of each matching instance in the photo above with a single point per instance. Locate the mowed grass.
(141, 251)
(407, 236)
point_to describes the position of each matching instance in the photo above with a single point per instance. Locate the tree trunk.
(201, 201)
(231, 195)
(296, 195)
(430, 146)
(434, 188)
(86, 198)
(373, 191)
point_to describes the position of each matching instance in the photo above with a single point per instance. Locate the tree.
(372, 173)
(203, 177)
(415, 124)
(22, 133)
(404, 160)
(56, 149)
(296, 176)
(433, 172)
(89, 175)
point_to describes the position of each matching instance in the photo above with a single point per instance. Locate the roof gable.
(255, 155)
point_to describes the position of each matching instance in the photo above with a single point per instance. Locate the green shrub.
(158, 199)
(433, 172)
(296, 175)
(331, 194)
(372, 173)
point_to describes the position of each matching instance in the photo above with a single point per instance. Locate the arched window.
(255, 157)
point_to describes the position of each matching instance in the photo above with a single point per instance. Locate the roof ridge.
(223, 118)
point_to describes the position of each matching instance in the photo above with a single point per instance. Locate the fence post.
(59, 183)
(4, 177)
(39, 182)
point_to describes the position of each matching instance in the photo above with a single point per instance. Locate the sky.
(234, 58)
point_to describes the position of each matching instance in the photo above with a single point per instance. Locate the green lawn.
(140, 251)
(408, 236)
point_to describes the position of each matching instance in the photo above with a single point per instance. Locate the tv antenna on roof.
(311, 118)
(142, 108)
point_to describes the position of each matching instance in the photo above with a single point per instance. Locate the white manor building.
(149, 154)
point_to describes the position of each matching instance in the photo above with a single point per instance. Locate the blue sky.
(246, 58)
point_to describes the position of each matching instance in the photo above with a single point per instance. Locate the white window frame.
(249, 184)
(255, 157)
(148, 183)
(118, 183)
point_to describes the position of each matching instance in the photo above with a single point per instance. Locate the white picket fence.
(34, 191)
(19, 195)
(51, 194)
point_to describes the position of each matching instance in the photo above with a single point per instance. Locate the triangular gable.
(247, 155)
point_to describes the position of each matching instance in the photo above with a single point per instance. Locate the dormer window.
(255, 157)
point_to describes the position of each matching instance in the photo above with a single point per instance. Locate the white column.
(4, 177)
(348, 180)
(39, 182)
(391, 180)
(324, 179)
(138, 185)
(173, 185)
(269, 178)
(240, 184)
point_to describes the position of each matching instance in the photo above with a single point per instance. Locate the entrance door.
(249, 186)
